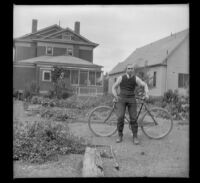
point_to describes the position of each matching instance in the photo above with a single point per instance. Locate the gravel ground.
(168, 157)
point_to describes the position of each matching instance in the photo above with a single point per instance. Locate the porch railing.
(87, 91)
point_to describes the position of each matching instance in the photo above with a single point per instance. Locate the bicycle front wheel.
(103, 121)
(157, 123)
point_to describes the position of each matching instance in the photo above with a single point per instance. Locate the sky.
(118, 29)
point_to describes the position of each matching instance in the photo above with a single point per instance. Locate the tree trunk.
(92, 163)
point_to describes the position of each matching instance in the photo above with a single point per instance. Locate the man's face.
(130, 70)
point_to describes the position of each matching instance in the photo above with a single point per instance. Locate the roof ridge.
(154, 54)
(163, 38)
(28, 34)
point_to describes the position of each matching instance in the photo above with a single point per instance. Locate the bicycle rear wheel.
(162, 128)
(103, 121)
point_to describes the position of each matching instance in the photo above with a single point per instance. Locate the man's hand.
(115, 99)
(146, 96)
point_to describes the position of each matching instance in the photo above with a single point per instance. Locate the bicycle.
(156, 122)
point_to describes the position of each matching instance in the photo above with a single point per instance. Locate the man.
(126, 98)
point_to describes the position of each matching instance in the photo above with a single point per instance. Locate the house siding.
(160, 78)
(59, 51)
(23, 76)
(86, 55)
(41, 50)
(178, 62)
(44, 85)
(76, 51)
(24, 52)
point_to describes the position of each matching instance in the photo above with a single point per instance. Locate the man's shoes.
(119, 139)
(136, 141)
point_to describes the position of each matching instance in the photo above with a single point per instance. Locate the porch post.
(78, 81)
(88, 82)
(37, 75)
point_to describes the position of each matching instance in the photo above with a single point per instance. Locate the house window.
(115, 79)
(83, 78)
(46, 76)
(98, 78)
(74, 76)
(91, 78)
(154, 79)
(183, 80)
(49, 51)
(69, 51)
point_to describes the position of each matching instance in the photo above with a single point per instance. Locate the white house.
(166, 60)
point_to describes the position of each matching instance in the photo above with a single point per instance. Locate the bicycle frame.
(143, 103)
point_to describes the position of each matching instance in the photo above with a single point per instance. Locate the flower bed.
(41, 140)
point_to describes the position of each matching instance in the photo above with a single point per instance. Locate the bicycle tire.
(164, 120)
(98, 127)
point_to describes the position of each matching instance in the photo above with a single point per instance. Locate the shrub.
(34, 88)
(50, 94)
(30, 90)
(62, 88)
(177, 105)
(40, 141)
(171, 96)
(36, 100)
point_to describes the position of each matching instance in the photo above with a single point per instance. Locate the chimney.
(34, 25)
(77, 27)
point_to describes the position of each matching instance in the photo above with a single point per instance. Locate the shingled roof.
(58, 60)
(152, 54)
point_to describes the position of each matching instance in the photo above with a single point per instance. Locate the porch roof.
(58, 60)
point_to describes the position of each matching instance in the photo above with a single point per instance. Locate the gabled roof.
(154, 53)
(37, 36)
(28, 36)
(58, 60)
(51, 38)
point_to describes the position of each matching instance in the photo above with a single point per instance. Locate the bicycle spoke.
(102, 121)
(157, 123)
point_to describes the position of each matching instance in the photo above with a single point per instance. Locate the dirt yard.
(168, 157)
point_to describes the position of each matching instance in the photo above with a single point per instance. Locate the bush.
(177, 105)
(40, 141)
(62, 88)
(30, 90)
(36, 100)
(171, 96)
(50, 94)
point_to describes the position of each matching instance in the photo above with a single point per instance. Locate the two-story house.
(36, 54)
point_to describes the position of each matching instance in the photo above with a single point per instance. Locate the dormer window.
(49, 51)
(69, 51)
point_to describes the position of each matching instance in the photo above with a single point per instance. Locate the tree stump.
(92, 163)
